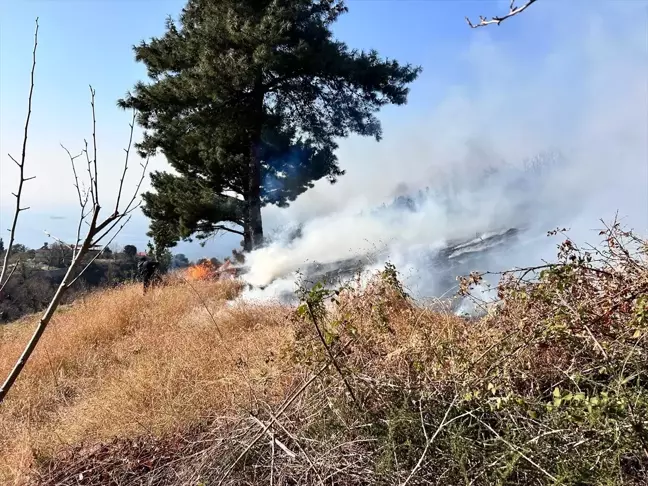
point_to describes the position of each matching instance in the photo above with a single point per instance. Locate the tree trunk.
(254, 223)
(247, 238)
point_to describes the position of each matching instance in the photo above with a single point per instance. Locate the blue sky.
(490, 72)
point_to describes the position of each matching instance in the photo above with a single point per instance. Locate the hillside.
(35, 282)
(189, 385)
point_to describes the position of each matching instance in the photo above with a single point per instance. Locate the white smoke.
(584, 99)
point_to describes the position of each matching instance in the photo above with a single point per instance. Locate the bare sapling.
(513, 10)
(92, 231)
(22, 179)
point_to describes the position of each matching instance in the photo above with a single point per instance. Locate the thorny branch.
(513, 10)
(21, 166)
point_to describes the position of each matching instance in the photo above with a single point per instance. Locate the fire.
(202, 271)
(207, 271)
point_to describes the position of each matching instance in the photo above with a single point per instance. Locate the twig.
(273, 439)
(513, 10)
(430, 440)
(94, 145)
(83, 200)
(58, 240)
(515, 448)
(99, 253)
(294, 439)
(281, 410)
(21, 166)
(128, 210)
(272, 459)
(127, 150)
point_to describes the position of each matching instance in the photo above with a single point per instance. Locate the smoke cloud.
(552, 134)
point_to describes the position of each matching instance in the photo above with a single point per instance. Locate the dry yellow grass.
(191, 377)
(120, 363)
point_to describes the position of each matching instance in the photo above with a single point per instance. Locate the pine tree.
(246, 99)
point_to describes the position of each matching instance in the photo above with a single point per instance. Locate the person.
(146, 268)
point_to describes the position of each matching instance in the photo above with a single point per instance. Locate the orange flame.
(203, 271)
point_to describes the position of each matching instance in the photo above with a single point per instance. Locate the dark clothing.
(146, 269)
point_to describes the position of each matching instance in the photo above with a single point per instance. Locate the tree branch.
(94, 144)
(220, 227)
(127, 150)
(21, 166)
(13, 270)
(99, 253)
(513, 10)
(115, 217)
(83, 200)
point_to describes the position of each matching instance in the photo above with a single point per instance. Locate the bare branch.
(127, 211)
(76, 177)
(513, 10)
(61, 242)
(91, 177)
(220, 227)
(266, 428)
(286, 404)
(115, 221)
(515, 448)
(127, 150)
(13, 270)
(21, 165)
(94, 143)
(83, 199)
(100, 252)
(428, 440)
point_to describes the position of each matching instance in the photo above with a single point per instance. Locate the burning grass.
(356, 386)
(208, 271)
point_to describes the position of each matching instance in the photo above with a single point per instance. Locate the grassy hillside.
(186, 386)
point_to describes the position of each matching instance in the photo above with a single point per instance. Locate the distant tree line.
(40, 271)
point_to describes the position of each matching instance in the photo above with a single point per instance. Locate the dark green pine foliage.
(246, 99)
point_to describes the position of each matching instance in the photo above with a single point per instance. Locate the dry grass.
(176, 388)
(120, 364)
